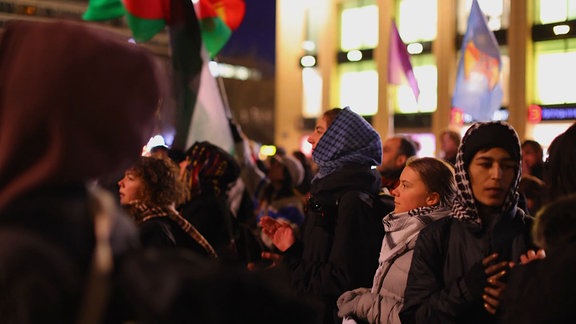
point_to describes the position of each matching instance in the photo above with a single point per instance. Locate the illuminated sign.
(557, 112)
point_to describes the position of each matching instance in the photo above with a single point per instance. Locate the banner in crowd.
(478, 90)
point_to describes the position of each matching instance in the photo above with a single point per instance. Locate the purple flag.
(478, 91)
(399, 66)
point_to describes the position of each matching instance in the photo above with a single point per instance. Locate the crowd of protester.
(363, 231)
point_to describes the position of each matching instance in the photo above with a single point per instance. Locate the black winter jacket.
(341, 238)
(446, 279)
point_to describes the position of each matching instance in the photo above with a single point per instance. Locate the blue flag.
(478, 91)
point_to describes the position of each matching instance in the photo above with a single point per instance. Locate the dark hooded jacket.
(446, 279)
(76, 104)
(341, 238)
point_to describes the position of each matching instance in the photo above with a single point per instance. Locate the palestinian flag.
(195, 28)
(146, 18)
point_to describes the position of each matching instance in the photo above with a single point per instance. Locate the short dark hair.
(560, 174)
(407, 147)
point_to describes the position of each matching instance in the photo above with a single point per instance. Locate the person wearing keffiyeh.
(424, 195)
(208, 172)
(341, 236)
(460, 263)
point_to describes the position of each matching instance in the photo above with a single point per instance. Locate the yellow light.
(268, 150)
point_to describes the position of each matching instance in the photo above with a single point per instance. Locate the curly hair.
(160, 177)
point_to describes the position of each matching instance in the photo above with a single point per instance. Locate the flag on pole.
(399, 67)
(198, 31)
(209, 122)
(478, 91)
(187, 64)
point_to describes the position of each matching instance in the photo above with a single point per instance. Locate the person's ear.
(433, 199)
(401, 160)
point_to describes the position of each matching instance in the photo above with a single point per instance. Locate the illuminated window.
(497, 13)
(555, 61)
(426, 73)
(358, 25)
(359, 87)
(312, 93)
(413, 26)
(551, 11)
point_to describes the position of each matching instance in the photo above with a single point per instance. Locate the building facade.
(334, 53)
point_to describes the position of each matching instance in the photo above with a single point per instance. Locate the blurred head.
(449, 143)
(560, 175)
(532, 155)
(424, 182)
(322, 125)
(286, 170)
(152, 181)
(395, 152)
(208, 169)
(555, 224)
(533, 190)
(67, 119)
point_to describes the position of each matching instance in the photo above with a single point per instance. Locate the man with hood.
(461, 263)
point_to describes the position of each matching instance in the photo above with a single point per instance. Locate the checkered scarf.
(350, 139)
(142, 212)
(402, 228)
(464, 207)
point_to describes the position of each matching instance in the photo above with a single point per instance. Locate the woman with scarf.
(208, 173)
(460, 263)
(150, 192)
(341, 236)
(424, 195)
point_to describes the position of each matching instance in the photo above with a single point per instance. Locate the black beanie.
(484, 136)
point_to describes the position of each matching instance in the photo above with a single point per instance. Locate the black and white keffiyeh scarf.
(350, 139)
(403, 228)
(464, 207)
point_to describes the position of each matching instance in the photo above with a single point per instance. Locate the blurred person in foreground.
(560, 173)
(77, 104)
(541, 289)
(461, 263)
(342, 233)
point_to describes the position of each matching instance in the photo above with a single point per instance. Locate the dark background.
(253, 45)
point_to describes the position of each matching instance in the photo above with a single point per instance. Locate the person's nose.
(496, 171)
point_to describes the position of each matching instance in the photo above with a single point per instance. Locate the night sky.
(256, 34)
